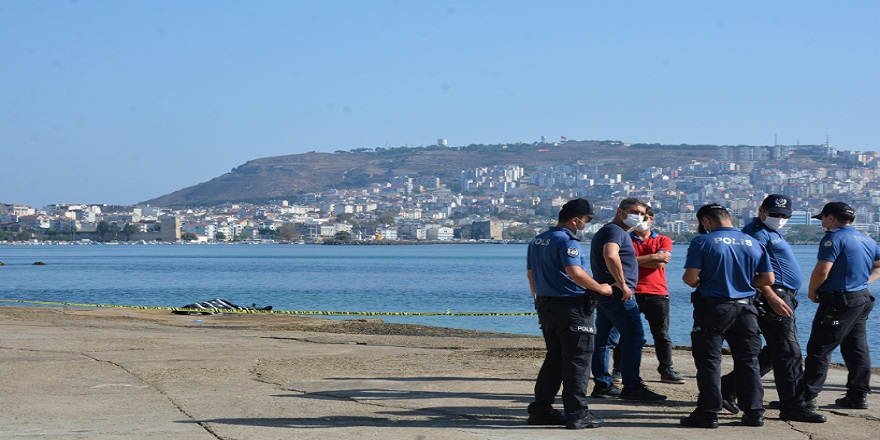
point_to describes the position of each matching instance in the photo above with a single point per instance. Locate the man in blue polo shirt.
(725, 266)
(782, 352)
(559, 283)
(847, 262)
(613, 260)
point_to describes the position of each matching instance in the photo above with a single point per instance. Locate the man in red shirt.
(653, 251)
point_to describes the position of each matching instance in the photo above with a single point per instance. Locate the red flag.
(564, 138)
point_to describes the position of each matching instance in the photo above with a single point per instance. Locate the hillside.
(286, 177)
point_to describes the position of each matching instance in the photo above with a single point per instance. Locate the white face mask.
(642, 227)
(632, 220)
(775, 223)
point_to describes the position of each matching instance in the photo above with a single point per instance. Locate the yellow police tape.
(448, 312)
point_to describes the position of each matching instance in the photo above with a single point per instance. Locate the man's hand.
(625, 291)
(779, 306)
(605, 290)
(813, 295)
(662, 257)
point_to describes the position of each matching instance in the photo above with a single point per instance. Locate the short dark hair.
(713, 211)
(631, 201)
(649, 211)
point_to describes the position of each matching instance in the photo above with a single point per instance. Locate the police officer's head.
(711, 217)
(775, 205)
(835, 214)
(579, 210)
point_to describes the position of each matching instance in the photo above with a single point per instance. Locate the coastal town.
(496, 203)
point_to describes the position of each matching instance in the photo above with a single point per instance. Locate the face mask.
(775, 223)
(632, 220)
(642, 227)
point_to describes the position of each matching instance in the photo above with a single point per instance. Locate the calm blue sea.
(435, 278)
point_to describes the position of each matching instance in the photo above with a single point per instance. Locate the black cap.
(705, 210)
(578, 207)
(777, 204)
(836, 209)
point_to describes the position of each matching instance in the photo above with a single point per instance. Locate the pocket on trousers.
(588, 329)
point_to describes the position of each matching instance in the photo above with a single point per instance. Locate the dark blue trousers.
(568, 334)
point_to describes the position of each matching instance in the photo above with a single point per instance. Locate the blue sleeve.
(876, 252)
(570, 253)
(764, 263)
(829, 248)
(693, 259)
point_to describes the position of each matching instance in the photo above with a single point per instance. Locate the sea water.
(458, 278)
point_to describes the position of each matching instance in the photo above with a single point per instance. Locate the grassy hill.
(286, 177)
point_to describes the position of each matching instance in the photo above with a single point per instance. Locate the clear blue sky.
(120, 101)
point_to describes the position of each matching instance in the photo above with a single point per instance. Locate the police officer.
(847, 262)
(725, 266)
(559, 283)
(782, 352)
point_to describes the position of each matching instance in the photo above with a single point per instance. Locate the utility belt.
(841, 297)
(699, 300)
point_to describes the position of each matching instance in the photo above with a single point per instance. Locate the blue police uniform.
(782, 354)
(612, 313)
(566, 321)
(724, 310)
(841, 318)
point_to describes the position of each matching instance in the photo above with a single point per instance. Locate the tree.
(128, 230)
(344, 217)
(188, 236)
(115, 230)
(103, 228)
(803, 234)
(220, 236)
(342, 236)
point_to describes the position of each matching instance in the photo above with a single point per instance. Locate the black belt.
(782, 289)
(848, 295)
(715, 301)
(581, 298)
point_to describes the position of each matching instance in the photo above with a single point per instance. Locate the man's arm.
(819, 275)
(580, 276)
(654, 261)
(875, 272)
(775, 302)
(691, 277)
(531, 284)
(763, 279)
(611, 254)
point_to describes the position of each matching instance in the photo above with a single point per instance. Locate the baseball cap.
(777, 204)
(578, 207)
(836, 208)
(705, 210)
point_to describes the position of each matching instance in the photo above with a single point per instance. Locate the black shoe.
(811, 404)
(616, 378)
(848, 401)
(753, 420)
(693, 422)
(608, 392)
(802, 415)
(587, 421)
(671, 376)
(773, 404)
(641, 393)
(554, 417)
(728, 398)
